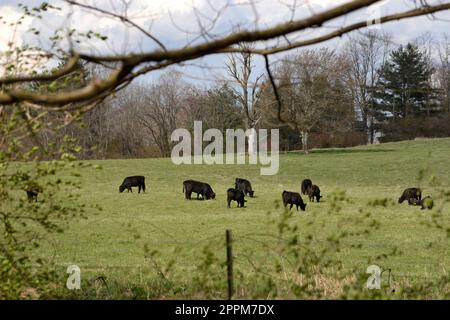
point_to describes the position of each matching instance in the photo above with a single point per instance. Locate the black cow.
(235, 195)
(293, 198)
(245, 186)
(134, 181)
(411, 194)
(201, 188)
(32, 193)
(425, 203)
(314, 192)
(305, 185)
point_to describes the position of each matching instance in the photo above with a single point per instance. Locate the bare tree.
(443, 71)
(240, 67)
(158, 115)
(307, 87)
(366, 54)
(128, 137)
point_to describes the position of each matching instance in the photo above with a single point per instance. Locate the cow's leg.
(139, 188)
(189, 194)
(228, 203)
(291, 206)
(143, 187)
(297, 206)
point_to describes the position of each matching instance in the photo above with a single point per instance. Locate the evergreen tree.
(403, 88)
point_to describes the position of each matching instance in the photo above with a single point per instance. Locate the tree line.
(367, 91)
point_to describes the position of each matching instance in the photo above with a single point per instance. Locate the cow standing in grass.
(200, 188)
(293, 198)
(314, 192)
(134, 181)
(306, 184)
(245, 186)
(236, 195)
(32, 193)
(410, 195)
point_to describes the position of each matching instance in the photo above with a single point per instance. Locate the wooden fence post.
(229, 265)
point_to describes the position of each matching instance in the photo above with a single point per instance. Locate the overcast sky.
(176, 22)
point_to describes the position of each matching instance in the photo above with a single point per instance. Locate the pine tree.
(404, 88)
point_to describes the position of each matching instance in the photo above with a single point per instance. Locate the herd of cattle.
(243, 188)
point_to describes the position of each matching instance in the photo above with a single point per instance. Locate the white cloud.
(12, 33)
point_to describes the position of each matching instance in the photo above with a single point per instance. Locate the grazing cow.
(314, 191)
(425, 203)
(293, 198)
(305, 185)
(134, 181)
(235, 195)
(245, 186)
(201, 188)
(411, 194)
(32, 193)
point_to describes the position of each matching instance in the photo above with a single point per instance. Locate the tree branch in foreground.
(164, 58)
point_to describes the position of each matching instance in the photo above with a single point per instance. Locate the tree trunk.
(305, 141)
(371, 130)
(252, 148)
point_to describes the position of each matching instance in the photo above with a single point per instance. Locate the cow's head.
(303, 206)
(251, 193)
(122, 188)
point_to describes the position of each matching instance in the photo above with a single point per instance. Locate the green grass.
(105, 243)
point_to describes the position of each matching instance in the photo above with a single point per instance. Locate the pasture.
(111, 242)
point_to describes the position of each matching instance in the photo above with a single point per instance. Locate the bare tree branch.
(68, 68)
(121, 18)
(164, 58)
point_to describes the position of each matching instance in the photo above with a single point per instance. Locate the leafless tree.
(443, 71)
(366, 53)
(158, 114)
(128, 137)
(240, 67)
(308, 88)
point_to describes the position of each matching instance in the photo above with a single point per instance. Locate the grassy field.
(111, 242)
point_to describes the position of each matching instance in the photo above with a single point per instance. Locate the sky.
(178, 22)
